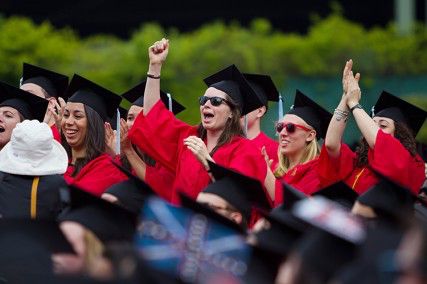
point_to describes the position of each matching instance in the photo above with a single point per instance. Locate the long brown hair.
(94, 140)
(401, 133)
(232, 127)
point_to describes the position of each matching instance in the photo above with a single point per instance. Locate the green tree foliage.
(120, 64)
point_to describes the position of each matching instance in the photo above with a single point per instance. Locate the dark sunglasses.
(215, 101)
(290, 127)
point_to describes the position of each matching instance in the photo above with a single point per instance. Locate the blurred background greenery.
(311, 62)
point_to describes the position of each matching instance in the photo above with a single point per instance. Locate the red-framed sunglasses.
(290, 127)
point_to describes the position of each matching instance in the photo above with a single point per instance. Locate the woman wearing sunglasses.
(299, 150)
(219, 137)
(388, 145)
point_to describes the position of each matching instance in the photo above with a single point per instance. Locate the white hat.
(32, 151)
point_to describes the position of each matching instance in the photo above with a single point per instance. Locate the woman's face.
(293, 143)
(386, 124)
(214, 118)
(9, 117)
(67, 263)
(132, 114)
(74, 124)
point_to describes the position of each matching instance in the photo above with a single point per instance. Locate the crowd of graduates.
(94, 193)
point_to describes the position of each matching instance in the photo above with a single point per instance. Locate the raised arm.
(339, 119)
(157, 55)
(364, 122)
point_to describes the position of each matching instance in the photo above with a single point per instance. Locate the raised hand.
(158, 51)
(125, 143)
(110, 139)
(353, 92)
(346, 75)
(55, 112)
(199, 149)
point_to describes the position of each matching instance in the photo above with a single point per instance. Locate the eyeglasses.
(215, 101)
(290, 127)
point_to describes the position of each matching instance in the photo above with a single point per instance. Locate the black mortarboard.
(26, 248)
(109, 222)
(263, 86)
(44, 232)
(323, 254)
(340, 193)
(136, 97)
(291, 195)
(263, 266)
(285, 229)
(388, 199)
(28, 105)
(101, 100)
(312, 113)
(131, 193)
(53, 83)
(400, 111)
(242, 192)
(232, 82)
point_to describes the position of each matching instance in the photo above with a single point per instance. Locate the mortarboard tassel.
(169, 101)
(280, 107)
(118, 132)
(21, 81)
(373, 111)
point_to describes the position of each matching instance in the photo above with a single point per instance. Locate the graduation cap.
(26, 249)
(323, 254)
(44, 232)
(284, 231)
(53, 83)
(232, 82)
(242, 192)
(189, 243)
(106, 220)
(263, 266)
(28, 105)
(388, 199)
(291, 195)
(263, 86)
(131, 193)
(400, 111)
(103, 101)
(332, 242)
(312, 113)
(339, 192)
(136, 97)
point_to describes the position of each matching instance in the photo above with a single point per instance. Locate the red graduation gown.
(161, 135)
(271, 146)
(161, 180)
(389, 158)
(303, 177)
(157, 177)
(97, 176)
(55, 132)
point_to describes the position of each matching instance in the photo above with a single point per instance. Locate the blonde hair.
(311, 151)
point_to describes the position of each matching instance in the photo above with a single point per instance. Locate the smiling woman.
(88, 107)
(186, 149)
(15, 106)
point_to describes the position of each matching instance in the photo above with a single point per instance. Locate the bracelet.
(152, 76)
(341, 114)
(355, 106)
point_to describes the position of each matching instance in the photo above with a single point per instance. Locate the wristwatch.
(355, 106)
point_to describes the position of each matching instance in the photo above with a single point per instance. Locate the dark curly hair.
(401, 132)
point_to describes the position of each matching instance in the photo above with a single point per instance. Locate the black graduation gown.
(16, 191)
